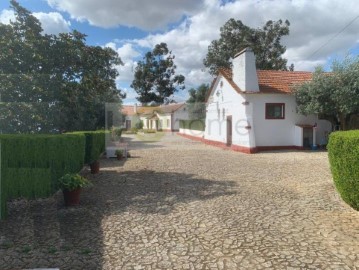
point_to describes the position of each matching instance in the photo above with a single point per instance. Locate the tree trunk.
(343, 121)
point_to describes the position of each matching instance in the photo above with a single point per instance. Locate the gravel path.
(179, 204)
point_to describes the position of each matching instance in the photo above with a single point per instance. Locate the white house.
(253, 110)
(164, 117)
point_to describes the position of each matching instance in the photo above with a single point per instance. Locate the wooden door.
(128, 124)
(229, 130)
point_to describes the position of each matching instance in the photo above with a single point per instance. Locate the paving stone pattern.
(179, 204)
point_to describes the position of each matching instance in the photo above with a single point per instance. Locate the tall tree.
(333, 96)
(155, 78)
(196, 101)
(52, 82)
(235, 36)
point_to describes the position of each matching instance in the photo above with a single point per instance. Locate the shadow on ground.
(44, 233)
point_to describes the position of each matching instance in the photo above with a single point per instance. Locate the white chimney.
(244, 71)
(135, 108)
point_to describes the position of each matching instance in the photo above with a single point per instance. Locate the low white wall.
(191, 132)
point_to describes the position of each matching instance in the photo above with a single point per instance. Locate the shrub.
(149, 131)
(32, 164)
(95, 144)
(198, 124)
(139, 125)
(343, 150)
(72, 181)
(118, 132)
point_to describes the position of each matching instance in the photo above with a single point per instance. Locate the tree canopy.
(196, 101)
(235, 36)
(155, 79)
(333, 96)
(52, 83)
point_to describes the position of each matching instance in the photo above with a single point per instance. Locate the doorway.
(229, 130)
(307, 137)
(128, 124)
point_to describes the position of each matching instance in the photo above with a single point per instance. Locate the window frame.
(268, 117)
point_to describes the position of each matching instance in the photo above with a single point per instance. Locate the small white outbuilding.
(252, 110)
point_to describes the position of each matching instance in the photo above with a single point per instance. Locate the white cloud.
(53, 22)
(313, 23)
(144, 14)
(7, 15)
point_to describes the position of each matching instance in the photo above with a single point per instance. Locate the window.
(275, 110)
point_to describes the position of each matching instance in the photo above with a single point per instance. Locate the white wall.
(298, 136)
(180, 114)
(225, 101)
(133, 118)
(244, 71)
(163, 121)
(191, 132)
(281, 132)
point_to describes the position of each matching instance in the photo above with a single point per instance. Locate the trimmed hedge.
(32, 164)
(95, 144)
(198, 124)
(343, 150)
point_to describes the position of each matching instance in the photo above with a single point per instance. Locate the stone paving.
(179, 204)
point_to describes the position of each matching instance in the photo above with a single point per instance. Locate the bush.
(72, 181)
(148, 131)
(95, 144)
(118, 132)
(32, 164)
(139, 125)
(343, 150)
(198, 124)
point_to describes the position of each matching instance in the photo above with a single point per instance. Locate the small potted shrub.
(95, 167)
(71, 185)
(119, 154)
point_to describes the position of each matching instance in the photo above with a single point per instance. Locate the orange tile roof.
(272, 81)
(170, 107)
(129, 109)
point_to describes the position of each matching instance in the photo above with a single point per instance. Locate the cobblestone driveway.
(179, 204)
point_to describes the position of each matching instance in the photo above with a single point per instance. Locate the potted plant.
(95, 167)
(119, 154)
(71, 185)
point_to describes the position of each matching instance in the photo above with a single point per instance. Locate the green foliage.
(196, 102)
(131, 131)
(343, 150)
(118, 132)
(155, 79)
(72, 181)
(95, 144)
(235, 36)
(139, 124)
(52, 83)
(334, 96)
(32, 164)
(148, 131)
(198, 124)
(27, 182)
(119, 152)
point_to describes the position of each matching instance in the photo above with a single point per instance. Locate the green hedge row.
(32, 164)
(198, 124)
(95, 144)
(343, 150)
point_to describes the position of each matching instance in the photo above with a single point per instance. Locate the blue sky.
(320, 30)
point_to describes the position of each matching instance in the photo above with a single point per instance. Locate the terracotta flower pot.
(72, 197)
(119, 157)
(95, 167)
